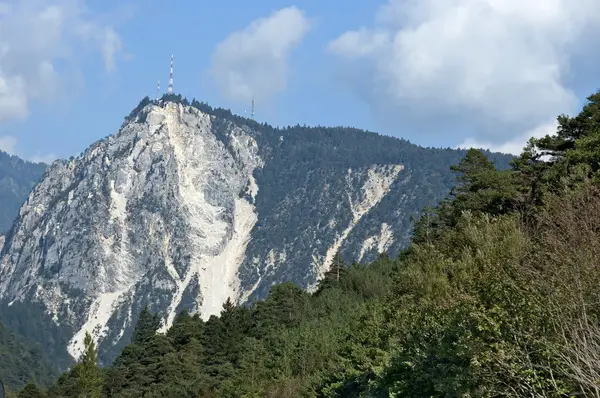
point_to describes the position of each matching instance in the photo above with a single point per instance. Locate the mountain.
(496, 296)
(187, 206)
(17, 178)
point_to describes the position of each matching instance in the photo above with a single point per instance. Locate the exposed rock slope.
(185, 208)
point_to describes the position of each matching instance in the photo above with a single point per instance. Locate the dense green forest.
(22, 361)
(495, 297)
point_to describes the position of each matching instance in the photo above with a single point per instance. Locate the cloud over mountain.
(495, 68)
(253, 62)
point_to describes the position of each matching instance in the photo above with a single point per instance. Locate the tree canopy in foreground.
(496, 297)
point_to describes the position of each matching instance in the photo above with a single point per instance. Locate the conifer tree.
(146, 327)
(332, 277)
(337, 267)
(89, 375)
(31, 390)
(481, 188)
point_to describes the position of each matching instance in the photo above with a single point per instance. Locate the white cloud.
(47, 158)
(514, 145)
(111, 44)
(36, 37)
(7, 144)
(495, 68)
(253, 62)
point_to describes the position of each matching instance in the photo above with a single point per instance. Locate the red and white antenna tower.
(171, 77)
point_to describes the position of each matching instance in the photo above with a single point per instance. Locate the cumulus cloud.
(36, 38)
(7, 144)
(253, 62)
(111, 44)
(47, 158)
(494, 68)
(514, 145)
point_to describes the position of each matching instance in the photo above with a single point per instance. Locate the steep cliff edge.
(185, 208)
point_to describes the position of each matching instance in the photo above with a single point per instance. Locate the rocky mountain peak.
(158, 207)
(187, 206)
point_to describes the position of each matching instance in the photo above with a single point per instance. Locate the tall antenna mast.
(252, 113)
(171, 77)
(158, 90)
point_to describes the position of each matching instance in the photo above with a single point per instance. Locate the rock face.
(183, 209)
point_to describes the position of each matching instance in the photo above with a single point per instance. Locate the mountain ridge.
(187, 206)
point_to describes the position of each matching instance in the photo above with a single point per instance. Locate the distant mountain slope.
(22, 361)
(186, 206)
(17, 178)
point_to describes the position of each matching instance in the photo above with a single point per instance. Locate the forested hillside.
(21, 361)
(223, 207)
(17, 178)
(496, 296)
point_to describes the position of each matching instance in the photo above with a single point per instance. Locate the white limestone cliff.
(155, 208)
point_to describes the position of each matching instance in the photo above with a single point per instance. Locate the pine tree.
(186, 327)
(228, 307)
(472, 172)
(31, 390)
(146, 327)
(337, 267)
(89, 375)
(481, 188)
(332, 277)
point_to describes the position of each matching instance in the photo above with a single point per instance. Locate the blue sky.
(460, 72)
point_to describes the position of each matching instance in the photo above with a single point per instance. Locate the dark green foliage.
(31, 390)
(84, 379)
(17, 178)
(31, 321)
(278, 346)
(496, 297)
(572, 154)
(88, 374)
(185, 328)
(146, 327)
(21, 362)
(481, 189)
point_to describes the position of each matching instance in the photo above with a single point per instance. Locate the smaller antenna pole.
(158, 91)
(171, 77)
(252, 113)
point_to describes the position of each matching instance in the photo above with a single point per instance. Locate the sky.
(444, 73)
